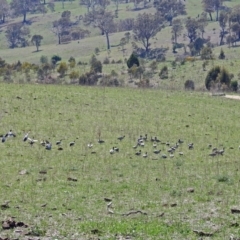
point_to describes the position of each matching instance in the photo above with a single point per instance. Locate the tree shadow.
(37, 51)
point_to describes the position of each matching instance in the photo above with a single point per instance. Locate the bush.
(96, 50)
(164, 72)
(109, 81)
(55, 59)
(234, 85)
(43, 59)
(62, 69)
(119, 61)
(217, 75)
(133, 60)
(96, 66)
(89, 78)
(222, 54)
(189, 85)
(106, 61)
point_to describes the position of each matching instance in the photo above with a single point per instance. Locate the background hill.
(83, 48)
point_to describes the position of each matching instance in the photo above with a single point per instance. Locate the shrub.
(43, 59)
(55, 59)
(144, 83)
(109, 81)
(74, 75)
(62, 69)
(119, 61)
(222, 54)
(133, 60)
(164, 72)
(89, 78)
(96, 66)
(153, 65)
(189, 85)
(106, 61)
(217, 75)
(96, 50)
(206, 53)
(234, 85)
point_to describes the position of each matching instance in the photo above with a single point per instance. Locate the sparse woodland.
(189, 40)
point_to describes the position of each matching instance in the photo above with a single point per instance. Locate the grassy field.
(60, 194)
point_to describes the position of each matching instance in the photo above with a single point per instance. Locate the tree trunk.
(147, 46)
(59, 39)
(37, 47)
(210, 15)
(217, 11)
(175, 36)
(221, 37)
(24, 17)
(108, 42)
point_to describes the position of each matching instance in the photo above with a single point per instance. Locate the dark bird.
(4, 137)
(157, 151)
(71, 143)
(138, 153)
(59, 142)
(180, 141)
(121, 138)
(101, 141)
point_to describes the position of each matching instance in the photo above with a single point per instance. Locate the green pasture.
(60, 194)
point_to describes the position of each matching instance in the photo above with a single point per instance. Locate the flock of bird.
(140, 143)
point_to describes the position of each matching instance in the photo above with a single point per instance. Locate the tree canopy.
(146, 27)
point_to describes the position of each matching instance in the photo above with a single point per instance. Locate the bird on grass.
(25, 138)
(116, 149)
(48, 146)
(59, 142)
(72, 143)
(190, 146)
(145, 155)
(11, 134)
(112, 151)
(121, 137)
(90, 145)
(157, 151)
(164, 156)
(138, 153)
(4, 137)
(32, 141)
(101, 141)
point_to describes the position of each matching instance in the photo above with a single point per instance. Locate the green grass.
(134, 183)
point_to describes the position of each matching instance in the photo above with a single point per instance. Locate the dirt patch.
(233, 97)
